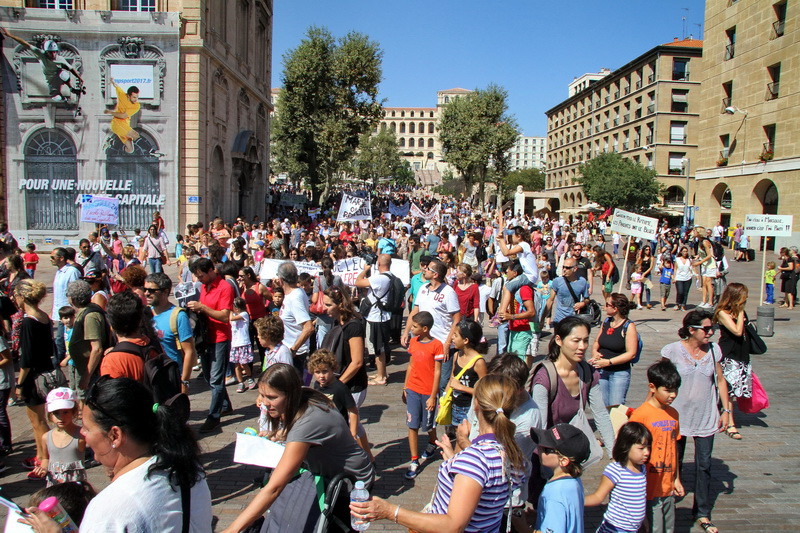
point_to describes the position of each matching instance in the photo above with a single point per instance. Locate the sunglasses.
(549, 451)
(151, 291)
(707, 329)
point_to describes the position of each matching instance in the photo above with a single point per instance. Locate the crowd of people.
(269, 306)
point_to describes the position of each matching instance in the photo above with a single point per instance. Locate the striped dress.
(483, 463)
(626, 506)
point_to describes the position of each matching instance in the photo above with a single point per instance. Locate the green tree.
(328, 101)
(615, 181)
(531, 179)
(404, 174)
(476, 131)
(377, 157)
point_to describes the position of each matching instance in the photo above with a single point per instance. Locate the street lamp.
(686, 164)
(732, 110)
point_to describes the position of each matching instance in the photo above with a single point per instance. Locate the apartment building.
(203, 68)
(528, 152)
(749, 112)
(646, 110)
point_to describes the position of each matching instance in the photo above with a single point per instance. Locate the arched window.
(393, 126)
(411, 142)
(402, 113)
(401, 141)
(421, 142)
(422, 127)
(411, 128)
(430, 155)
(430, 126)
(142, 168)
(383, 126)
(674, 195)
(430, 143)
(727, 199)
(402, 127)
(50, 158)
(412, 116)
(393, 113)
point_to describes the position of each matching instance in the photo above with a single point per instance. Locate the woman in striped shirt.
(625, 479)
(476, 480)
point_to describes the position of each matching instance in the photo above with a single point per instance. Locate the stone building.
(646, 110)
(203, 70)
(528, 152)
(749, 113)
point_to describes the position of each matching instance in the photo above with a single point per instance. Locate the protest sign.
(354, 208)
(399, 210)
(269, 268)
(768, 225)
(428, 216)
(100, 210)
(627, 223)
(349, 269)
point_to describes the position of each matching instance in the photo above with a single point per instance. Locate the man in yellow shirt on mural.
(127, 106)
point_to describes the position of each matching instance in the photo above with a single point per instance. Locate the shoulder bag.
(757, 344)
(445, 415)
(319, 307)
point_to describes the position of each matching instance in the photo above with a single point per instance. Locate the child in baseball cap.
(562, 448)
(63, 447)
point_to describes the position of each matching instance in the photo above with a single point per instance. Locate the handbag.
(162, 256)
(47, 381)
(319, 307)
(758, 400)
(757, 344)
(581, 422)
(444, 417)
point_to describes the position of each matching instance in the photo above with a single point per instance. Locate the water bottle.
(359, 494)
(54, 510)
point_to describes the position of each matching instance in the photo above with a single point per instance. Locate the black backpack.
(162, 375)
(395, 300)
(717, 248)
(480, 253)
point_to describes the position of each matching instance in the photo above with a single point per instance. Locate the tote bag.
(581, 422)
(758, 401)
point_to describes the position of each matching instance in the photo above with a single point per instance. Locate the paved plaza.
(752, 478)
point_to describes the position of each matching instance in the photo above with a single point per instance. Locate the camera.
(369, 257)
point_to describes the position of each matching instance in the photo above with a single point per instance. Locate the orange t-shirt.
(424, 356)
(662, 466)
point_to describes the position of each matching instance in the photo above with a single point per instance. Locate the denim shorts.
(417, 417)
(459, 414)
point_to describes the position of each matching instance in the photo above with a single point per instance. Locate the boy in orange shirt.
(663, 474)
(421, 387)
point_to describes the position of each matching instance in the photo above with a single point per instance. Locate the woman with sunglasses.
(152, 458)
(315, 436)
(735, 346)
(614, 349)
(698, 362)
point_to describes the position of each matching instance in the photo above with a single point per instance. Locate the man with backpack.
(90, 333)
(173, 325)
(378, 314)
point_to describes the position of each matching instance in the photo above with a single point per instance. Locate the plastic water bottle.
(359, 494)
(53, 509)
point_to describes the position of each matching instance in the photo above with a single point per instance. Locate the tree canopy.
(615, 181)
(476, 131)
(328, 101)
(531, 179)
(377, 157)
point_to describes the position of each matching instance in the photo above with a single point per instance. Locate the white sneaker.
(57, 98)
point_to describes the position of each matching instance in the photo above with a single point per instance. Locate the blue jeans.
(614, 386)
(31, 272)
(215, 367)
(61, 346)
(770, 292)
(502, 337)
(323, 327)
(703, 446)
(155, 265)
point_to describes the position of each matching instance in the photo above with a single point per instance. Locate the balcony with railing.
(626, 118)
(608, 99)
(680, 75)
(625, 145)
(726, 103)
(606, 124)
(597, 129)
(675, 171)
(651, 109)
(678, 139)
(616, 95)
(773, 89)
(636, 142)
(651, 78)
(767, 152)
(627, 90)
(723, 158)
(589, 106)
(730, 51)
(638, 113)
(616, 121)
(649, 139)
(639, 84)
(778, 28)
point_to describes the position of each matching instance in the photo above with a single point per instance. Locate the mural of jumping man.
(56, 69)
(127, 106)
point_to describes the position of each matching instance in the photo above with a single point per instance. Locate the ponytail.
(176, 448)
(497, 396)
(327, 270)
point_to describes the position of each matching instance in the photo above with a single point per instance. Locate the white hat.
(60, 398)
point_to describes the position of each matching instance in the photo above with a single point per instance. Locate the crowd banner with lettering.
(296, 201)
(399, 210)
(428, 216)
(354, 208)
(269, 268)
(347, 269)
(100, 210)
(314, 212)
(767, 226)
(633, 225)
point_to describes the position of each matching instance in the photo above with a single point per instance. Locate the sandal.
(735, 435)
(708, 525)
(376, 382)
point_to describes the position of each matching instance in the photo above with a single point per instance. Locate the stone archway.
(720, 202)
(554, 204)
(766, 196)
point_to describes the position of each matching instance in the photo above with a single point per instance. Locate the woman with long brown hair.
(614, 348)
(461, 501)
(604, 263)
(731, 317)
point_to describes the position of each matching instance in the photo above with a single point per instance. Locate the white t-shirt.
(294, 314)
(441, 303)
(484, 291)
(380, 286)
(240, 331)
(138, 503)
(528, 261)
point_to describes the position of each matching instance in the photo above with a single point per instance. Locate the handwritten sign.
(100, 210)
(347, 269)
(354, 208)
(768, 225)
(627, 223)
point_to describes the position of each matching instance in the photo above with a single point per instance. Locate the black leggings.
(682, 288)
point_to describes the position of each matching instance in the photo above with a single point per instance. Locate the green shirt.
(769, 277)
(413, 259)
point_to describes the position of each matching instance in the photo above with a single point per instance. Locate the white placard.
(347, 269)
(627, 223)
(141, 76)
(354, 208)
(768, 225)
(258, 451)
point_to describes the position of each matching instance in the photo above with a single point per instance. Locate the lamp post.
(732, 110)
(686, 166)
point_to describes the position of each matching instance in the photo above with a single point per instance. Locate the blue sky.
(533, 48)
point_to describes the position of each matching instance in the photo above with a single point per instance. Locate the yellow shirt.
(121, 126)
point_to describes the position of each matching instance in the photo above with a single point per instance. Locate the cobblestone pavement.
(752, 479)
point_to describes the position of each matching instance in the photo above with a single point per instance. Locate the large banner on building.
(92, 110)
(354, 208)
